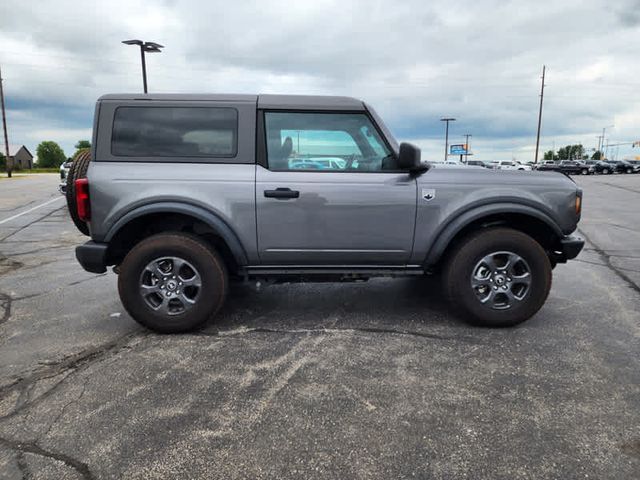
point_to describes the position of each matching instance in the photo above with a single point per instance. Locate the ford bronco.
(184, 193)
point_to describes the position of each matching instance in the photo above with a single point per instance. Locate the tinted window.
(325, 141)
(175, 132)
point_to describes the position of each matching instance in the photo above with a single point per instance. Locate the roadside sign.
(458, 149)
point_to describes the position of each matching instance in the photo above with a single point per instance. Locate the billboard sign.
(458, 149)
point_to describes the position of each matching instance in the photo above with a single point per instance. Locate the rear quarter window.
(175, 132)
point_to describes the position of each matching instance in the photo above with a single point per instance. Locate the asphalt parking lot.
(371, 380)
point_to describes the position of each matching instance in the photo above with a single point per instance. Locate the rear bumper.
(570, 247)
(93, 257)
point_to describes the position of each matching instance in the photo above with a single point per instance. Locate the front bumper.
(570, 247)
(92, 256)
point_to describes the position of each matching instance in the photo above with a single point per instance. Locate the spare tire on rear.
(78, 170)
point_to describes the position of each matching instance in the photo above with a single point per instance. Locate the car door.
(328, 192)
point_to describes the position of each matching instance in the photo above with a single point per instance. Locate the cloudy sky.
(415, 61)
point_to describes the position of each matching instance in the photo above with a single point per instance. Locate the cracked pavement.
(367, 380)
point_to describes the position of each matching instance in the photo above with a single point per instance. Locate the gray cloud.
(415, 61)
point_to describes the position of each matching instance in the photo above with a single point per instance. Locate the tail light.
(578, 203)
(82, 199)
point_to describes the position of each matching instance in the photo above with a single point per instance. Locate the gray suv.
(184, 193)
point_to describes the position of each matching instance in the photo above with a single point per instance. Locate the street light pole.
(144, 69)
(150, 47)
(446, 136)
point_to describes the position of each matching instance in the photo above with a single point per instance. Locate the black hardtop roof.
(278, 102)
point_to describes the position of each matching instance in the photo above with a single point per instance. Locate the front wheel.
(584, 171)
(172, 283)
(629, 170)
(498, 277)
(605, 171)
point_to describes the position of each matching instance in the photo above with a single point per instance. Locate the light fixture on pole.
(446, 136)
(145, 47)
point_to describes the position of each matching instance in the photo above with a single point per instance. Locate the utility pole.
(540, 113)
(446, 136)
(466, 147)
(604, 129)
(8, 162)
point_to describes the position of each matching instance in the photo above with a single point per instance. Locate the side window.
(325, 141)
(174, 132)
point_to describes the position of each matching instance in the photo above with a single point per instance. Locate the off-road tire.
(78, 169)
(204, 259)
(460, 266)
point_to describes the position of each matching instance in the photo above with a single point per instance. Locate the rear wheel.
(78, 169)
(605, 171)
(498, 277)
(172, 283)
(629, 170)
(584, 171)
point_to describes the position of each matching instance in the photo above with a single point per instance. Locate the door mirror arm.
(419, 169)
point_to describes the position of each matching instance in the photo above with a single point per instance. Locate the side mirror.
(409, 157)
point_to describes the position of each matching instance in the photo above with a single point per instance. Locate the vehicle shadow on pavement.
(324, 305)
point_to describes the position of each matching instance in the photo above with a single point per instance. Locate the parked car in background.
(546, 165)
(478, 163)
(635, 164)
(604, 168)
(629, 167)
(316, 163)
(614, 166)
(575, 167)
(512, 165)
(568, 167)
(64, 171)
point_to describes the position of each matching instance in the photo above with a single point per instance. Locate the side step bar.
(340, 270)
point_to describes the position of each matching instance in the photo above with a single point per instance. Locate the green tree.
(50, 155)
(3, 164)
(549, 155)
(571, 152)
(597, 155)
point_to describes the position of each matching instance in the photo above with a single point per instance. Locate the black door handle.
(281, 193)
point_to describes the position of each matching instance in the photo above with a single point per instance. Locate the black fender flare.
(460, 221)
(216, 223)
